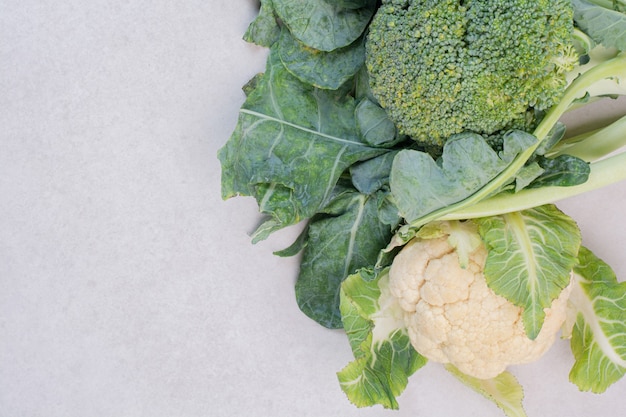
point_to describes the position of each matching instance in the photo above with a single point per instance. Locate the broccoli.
(443, 67)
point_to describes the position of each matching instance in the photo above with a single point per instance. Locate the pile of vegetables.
(421, 143)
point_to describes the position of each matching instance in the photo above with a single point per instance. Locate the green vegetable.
(401, 124)
(535, 262)
(443, 67)
(605, 172)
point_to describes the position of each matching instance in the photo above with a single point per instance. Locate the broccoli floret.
(440, 67)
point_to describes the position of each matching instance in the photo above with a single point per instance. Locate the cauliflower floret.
(452, 316)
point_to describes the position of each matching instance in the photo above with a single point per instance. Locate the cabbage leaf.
(372, 175)
(328, 70)
(384, 356)
(345, 236)
(531, 255)
(504, 390)
(605, 26)
(264, 30)
(324, 25)
(420, 185)
(375, 126)
(291, 144)
(597, 325)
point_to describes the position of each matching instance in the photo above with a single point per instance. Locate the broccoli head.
(440, 67)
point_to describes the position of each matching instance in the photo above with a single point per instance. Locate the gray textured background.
(127, 286)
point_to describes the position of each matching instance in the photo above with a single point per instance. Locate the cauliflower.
(452, 316)
(479, 295)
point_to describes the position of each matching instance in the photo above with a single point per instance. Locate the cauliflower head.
(452, 316)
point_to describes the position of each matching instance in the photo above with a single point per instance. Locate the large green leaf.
(604, 25)
(345, 236)
(324, 24)
(420, 185)
(531, 256)
(328, 70)
(504, 390)
(291, 144)
(598, 342)
(384, 357)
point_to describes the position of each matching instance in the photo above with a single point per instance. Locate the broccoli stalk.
(593, 145)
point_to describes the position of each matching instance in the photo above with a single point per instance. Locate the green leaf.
(296, 247)
(375, 126)
(264, 29)
(531, 255)
(328, 70)
(358, 301)
(603, 25)
(322, 24)
(387, 211)
(291, 144)
(384, 357)
(251, 85)
(562, 171)
(362, 88)
(555, 136)
(372, 175)
(527, 175)
(345, 236)
(420, 185)
(352, 4)
(504, 390)
(598, 338)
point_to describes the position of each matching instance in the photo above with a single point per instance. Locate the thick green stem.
(592, 146)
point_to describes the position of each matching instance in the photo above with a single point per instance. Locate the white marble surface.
(127, 286)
